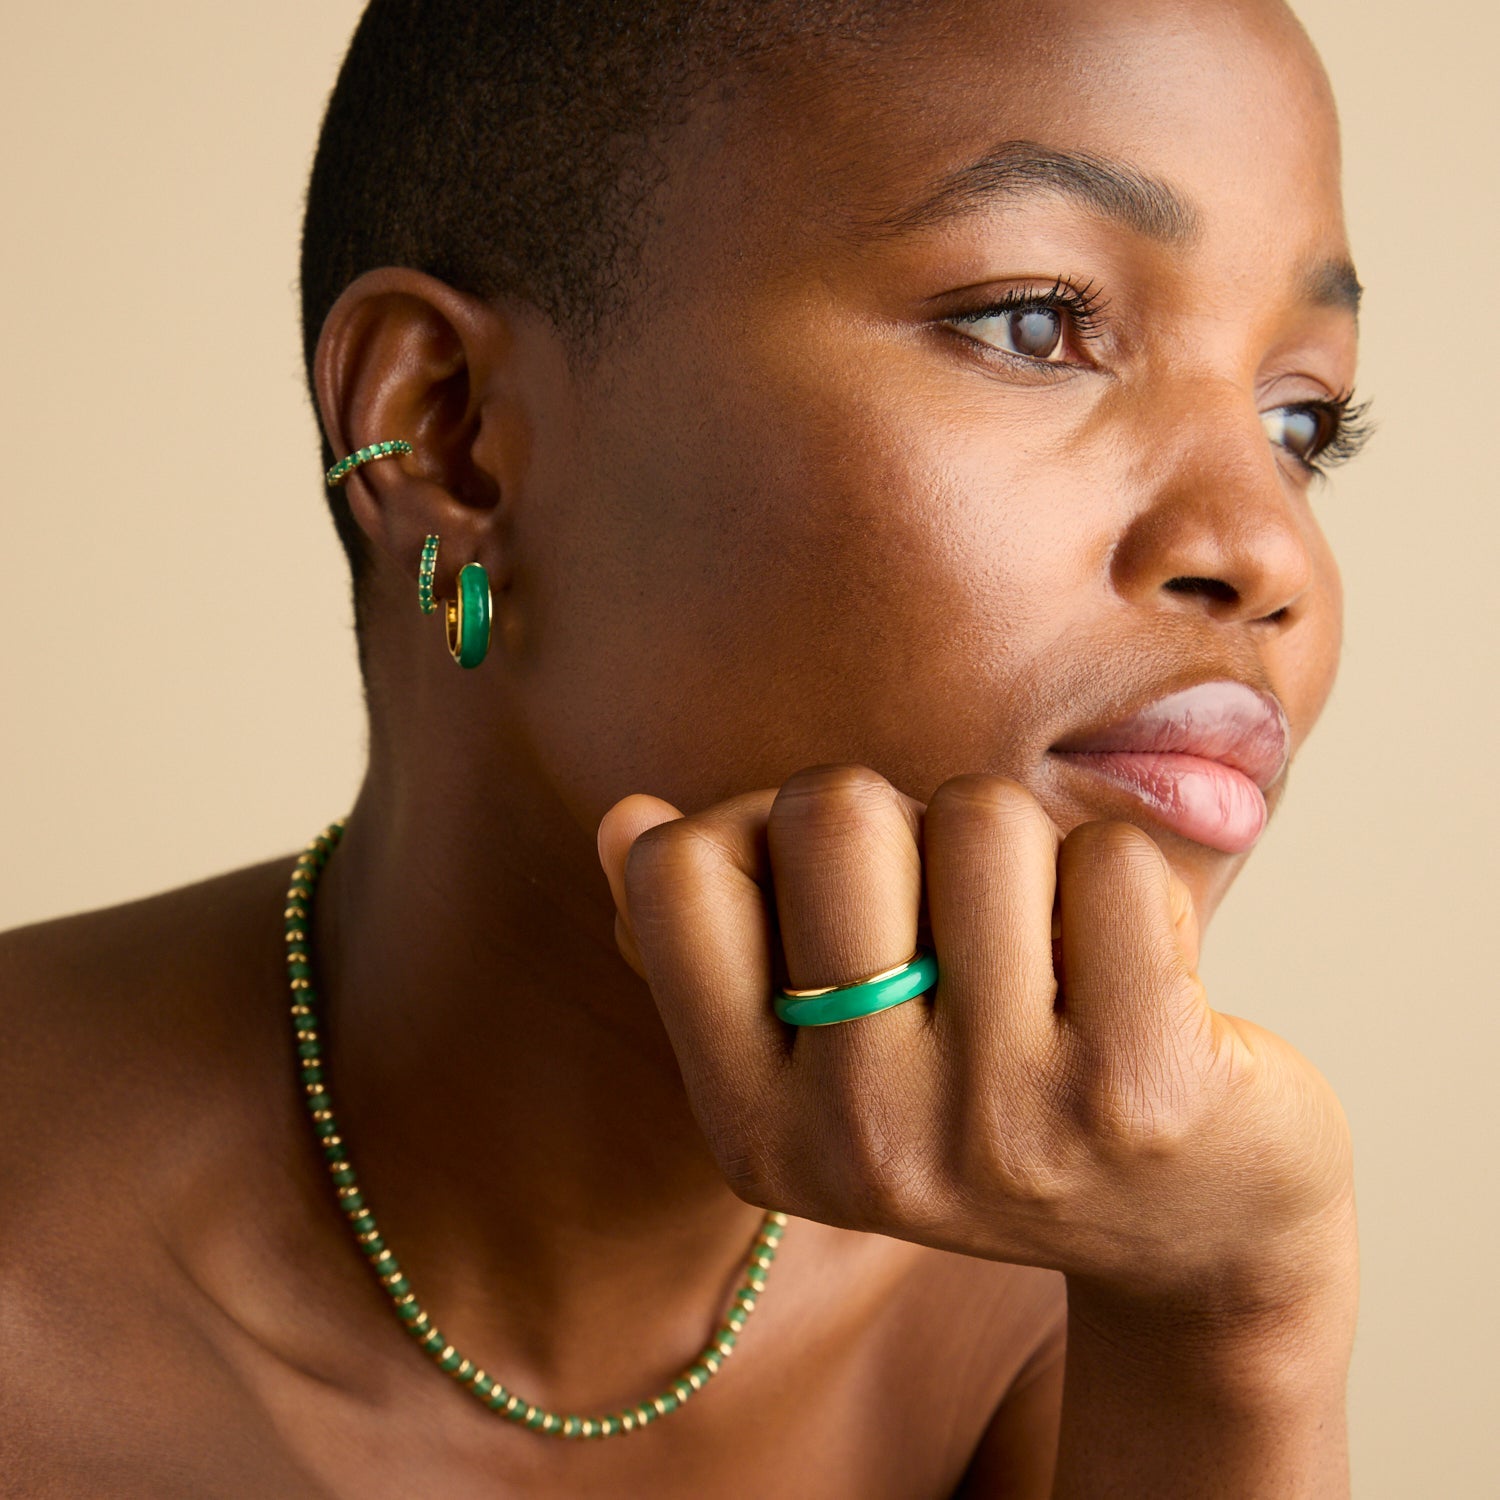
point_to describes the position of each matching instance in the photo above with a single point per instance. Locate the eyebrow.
(1148, 205)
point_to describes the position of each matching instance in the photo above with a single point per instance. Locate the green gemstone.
(299, 969)
(701, 1371)
(571, 1426)
(343, 1176)
(307, 1049)
(536, 1419)
(399, 1287)
(313, 1074)
(326, 1128)
(726, 1339)
(433, 1339)
(335, 1153)
(363, 1223)
(354, 1203)
(483, 1384)
(410, 1313)
(670, 1402)
(372, 1248)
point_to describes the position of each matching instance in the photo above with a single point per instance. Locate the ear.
(404, 355)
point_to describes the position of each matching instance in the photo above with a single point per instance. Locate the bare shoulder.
(102, 1011)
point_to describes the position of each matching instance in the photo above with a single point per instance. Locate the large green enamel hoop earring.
(467, 620)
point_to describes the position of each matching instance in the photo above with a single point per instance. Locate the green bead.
(668, 1401)
(536, 1419)
(726, 1339)
(410, 1313)
(483, 1384)
(299, 970)
(399, 1287)
(450, 1361)
(307, 1049)
(312, 1074)
(571, 1426)
(353, 1203)
(335, 1153)
(609, 1426)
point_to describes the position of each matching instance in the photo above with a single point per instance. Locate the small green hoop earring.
(424, 577)
(347, 465)
(468, 616)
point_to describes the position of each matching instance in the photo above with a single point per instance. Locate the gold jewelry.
(351, 1202)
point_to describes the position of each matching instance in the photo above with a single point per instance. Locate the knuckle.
(1142, 1108)
(1001, 797)
(1016, 1166)
(883, 1174)
(1111, 844)
(831, 797)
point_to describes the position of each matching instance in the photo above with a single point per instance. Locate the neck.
(508, 1094)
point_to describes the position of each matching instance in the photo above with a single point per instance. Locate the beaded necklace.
(414, 1317)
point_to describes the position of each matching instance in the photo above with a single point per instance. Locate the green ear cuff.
(346, 466)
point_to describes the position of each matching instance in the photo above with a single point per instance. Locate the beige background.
(178, 678)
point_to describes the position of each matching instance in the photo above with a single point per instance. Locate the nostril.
(1214, 587)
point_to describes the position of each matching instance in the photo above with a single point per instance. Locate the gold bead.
(463, 1370)
(301, 984)
(695, 1380)
(589, 1427)
(627, 1421)
(660, 1405)
(711, 1362)
(324, 1114)
(295, 935)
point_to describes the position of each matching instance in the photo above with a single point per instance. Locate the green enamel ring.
(847, 1002)
(470, 619)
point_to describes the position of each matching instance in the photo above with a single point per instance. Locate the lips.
(1226, 721)
(1199, 759)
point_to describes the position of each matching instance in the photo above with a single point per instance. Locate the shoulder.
(119, 1017)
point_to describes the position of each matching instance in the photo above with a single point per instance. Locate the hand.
(1093, 1115)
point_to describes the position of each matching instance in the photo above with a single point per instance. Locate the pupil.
(1035, 330)
(1301, 429)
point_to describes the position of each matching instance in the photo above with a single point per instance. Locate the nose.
(1221, 527)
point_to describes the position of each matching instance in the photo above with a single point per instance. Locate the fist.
(1064, 1096)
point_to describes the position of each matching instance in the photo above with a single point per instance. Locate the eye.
(1301, 430)
(1032, 325)
(1035, 332)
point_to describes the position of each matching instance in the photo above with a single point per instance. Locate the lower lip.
(1203, 800)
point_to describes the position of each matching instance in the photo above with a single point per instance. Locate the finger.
(696, 891)
(847, 876)
(1128, 983)
(990, 853)
(618, 830)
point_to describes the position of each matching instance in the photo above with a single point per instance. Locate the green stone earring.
(348, 464)
(468, 616)
(424, 577)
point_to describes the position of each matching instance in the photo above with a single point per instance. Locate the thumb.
(619, 828)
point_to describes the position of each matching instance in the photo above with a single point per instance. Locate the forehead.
(1218, 112)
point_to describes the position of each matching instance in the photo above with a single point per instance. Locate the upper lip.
(1225, 720)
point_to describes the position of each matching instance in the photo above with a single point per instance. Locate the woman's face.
(823, 507)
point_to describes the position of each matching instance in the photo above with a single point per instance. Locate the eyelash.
(1084, 307)
(1350, 427)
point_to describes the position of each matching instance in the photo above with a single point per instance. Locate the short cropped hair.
(508, 147)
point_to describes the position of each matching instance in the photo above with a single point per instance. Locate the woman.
(884, 434)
